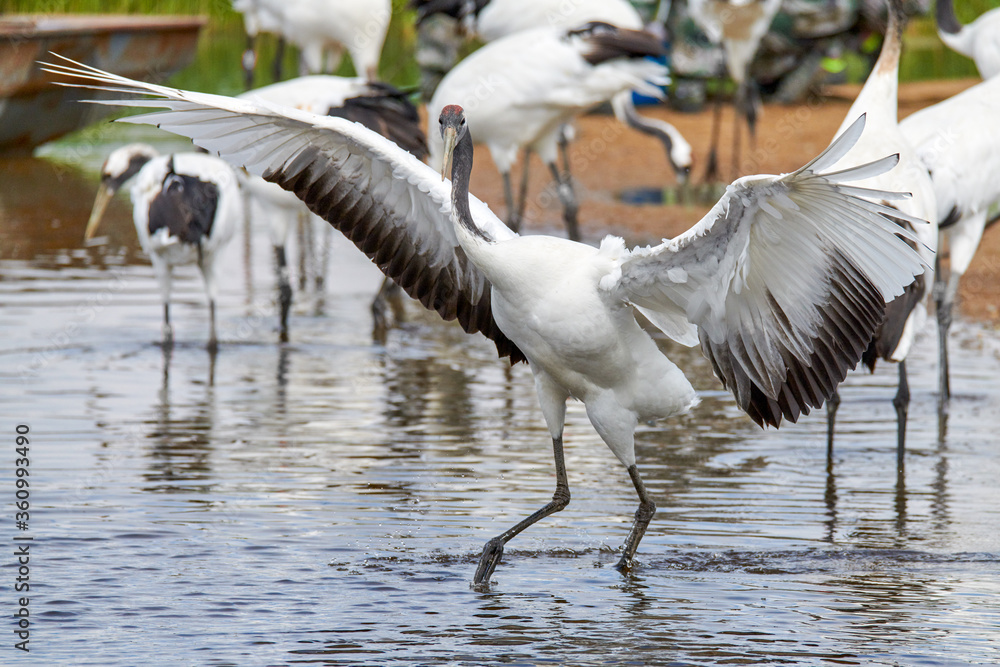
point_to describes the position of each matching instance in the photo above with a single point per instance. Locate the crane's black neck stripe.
(461, 169)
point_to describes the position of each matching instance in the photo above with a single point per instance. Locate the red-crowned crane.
(186, 208)
(497, 19)
(958, 141)
(783, 282)
(904, 316)
(520, 90)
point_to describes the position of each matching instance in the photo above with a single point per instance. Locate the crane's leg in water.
(902, 404)
(493, 550)
(831, 419)
(284, 290)
(642, 517)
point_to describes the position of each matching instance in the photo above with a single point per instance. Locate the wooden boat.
(33, 110)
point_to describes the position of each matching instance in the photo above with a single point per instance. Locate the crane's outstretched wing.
(786, 280)
(393, 207)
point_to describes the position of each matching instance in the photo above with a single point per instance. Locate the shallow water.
(325, 501)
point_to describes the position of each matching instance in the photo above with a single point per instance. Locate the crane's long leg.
(563, 143)
(513, 220)
(564, 186)
(642, 517)
(205, 265)
(737, 127)
(164, 272)
(284, 289)
(279, 57)
(712, 163)
(168, 332)
(523, 193)
(831, 418)
(249, 61)
(942, 307)
(493, 550)
(213, 339)
(305, 243)
(323, 256)
(902, 404)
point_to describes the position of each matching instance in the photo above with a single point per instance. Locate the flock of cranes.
(787, 283)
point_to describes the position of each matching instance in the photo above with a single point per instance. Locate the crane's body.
(979, 40)
(783, 282)
(958, 142)
(186, 208)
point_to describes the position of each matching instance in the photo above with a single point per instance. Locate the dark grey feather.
(315, 177)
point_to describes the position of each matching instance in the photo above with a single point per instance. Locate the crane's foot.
(624, 565)
(492, 553)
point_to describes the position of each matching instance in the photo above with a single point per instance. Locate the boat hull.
(34, 110)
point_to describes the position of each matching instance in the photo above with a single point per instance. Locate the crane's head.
(121, 165)
(453, 126)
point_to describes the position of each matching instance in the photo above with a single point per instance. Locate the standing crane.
(378, 106)
(739, 26)
(496, 19)
(258, 18)
(323, 30)
(520, 90)
(958, 142)
(904, 316)
(186, 208)
(979, 40)
(783, 282)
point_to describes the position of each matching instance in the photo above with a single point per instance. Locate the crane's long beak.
(104, 195)
(449, 147)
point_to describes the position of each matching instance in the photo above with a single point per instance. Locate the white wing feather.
(761, 275)
(268, 139)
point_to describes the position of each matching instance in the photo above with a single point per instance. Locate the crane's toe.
(488, 562)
